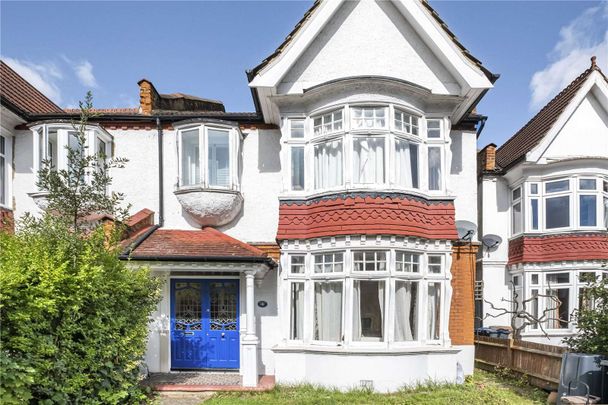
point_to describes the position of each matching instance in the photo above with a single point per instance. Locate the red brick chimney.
(148, 97)
(487, 158)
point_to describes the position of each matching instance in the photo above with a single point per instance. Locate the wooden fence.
(541, 363)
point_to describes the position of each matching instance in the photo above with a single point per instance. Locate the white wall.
(584, 134)
(359, 36)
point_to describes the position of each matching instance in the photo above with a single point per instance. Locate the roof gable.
(18, 95)
(549, 119)
(348, 47)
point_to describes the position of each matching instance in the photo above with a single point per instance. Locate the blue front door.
(204, 324)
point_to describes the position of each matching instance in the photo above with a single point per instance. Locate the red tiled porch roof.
(195, 245)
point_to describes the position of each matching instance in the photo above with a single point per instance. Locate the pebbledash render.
(314, 239)
(545, 193)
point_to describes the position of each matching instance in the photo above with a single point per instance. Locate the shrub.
(592, 321)
(74, 317)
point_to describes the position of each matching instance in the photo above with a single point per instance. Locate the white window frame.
(348, 276)
(7, 156)
(329, 117)
(402, 127)
(515, 201)
(203, 136)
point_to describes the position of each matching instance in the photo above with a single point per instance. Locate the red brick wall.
(7, 221)
(462, 310)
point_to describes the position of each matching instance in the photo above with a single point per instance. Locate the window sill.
(385, 188)
(380, 351)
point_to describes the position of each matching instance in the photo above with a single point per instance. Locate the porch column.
(250, 340)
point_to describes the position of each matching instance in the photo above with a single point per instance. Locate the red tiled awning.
(207, 244)
(557, 248)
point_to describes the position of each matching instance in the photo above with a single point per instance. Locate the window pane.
(368, 310)
(52, 147)
(535, 279)
(407, 262)
(191, 170)
(434, 169)
(434, 264)
(219, 157)
(517, 218)
(534, 189)
(329, 263)
(369, 260)
(328, 164)
(406, 161)
(587, 184)
(434, 311)
(557, 186)
(534, 308)
(557, 213)
(296, 329)
(588, 210)
(368, 117)
(2, 179)
(297, 128)
(558, 304)
(433, 128)
(328, 312)
(517, 193)
(297, 264)
(41, 156)
(2, 146)
(368, 160)
(406, 311)
(297, 168)
(534, 212)
(558, 278)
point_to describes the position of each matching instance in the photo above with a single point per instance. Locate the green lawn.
(481, 388)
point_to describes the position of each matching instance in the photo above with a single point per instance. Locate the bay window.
(57, 144)
(577, 202)
(379, 147)
(363, 296)
(206, 157)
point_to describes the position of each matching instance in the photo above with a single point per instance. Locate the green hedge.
(74, 318)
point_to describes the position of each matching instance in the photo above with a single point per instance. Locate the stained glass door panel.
(187, 336)
(221, 323)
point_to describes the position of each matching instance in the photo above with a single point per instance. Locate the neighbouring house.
(314, 239)
(545, 194)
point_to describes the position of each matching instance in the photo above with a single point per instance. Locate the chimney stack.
(148, 97)
(487, 158)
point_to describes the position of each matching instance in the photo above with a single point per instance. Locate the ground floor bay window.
(364, 297)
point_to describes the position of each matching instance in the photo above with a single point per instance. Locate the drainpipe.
(482, 124)
(161, 203)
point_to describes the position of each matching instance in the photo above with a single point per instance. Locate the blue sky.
(204, 48)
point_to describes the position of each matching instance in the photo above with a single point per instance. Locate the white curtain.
(405, 327)
(368, 160)
(434, 310)
(328, 311)
(357, 311)
(297, 311)
(434, 168)
(328, 164)
(406, 162)
(190, 158)
(381, 305)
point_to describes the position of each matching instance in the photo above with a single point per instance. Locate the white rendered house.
(545, 193)
(315, 238)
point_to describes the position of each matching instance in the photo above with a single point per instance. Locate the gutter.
(204, 259)
(161, 201)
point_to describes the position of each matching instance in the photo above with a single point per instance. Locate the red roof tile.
(20, 96)
(205, 243)
(362, 214)
(557, 248)
(534, 131)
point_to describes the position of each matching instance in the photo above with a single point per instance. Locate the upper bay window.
(377, 147)
(560, 204)
(56, 144)
(207, 157)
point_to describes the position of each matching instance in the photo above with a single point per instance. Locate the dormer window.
(207, 157)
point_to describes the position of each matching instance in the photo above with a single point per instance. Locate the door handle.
(188, 333)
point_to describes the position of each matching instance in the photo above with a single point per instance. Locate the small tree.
(592, 320)
(81, 190)
(519, 314)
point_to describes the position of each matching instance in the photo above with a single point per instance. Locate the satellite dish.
(491, 241)
(466, 230)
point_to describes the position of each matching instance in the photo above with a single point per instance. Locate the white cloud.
(43, 76)
(84, 72)
(584, 37)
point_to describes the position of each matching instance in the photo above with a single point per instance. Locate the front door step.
(204, 382)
